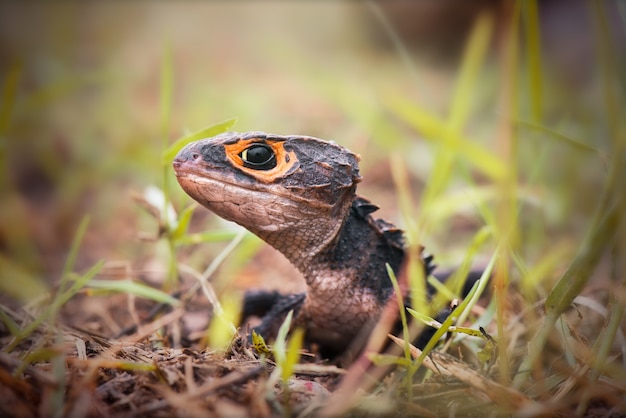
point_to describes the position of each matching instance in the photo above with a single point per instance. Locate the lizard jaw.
(283, 219)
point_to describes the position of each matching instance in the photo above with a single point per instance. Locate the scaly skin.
(297, 193)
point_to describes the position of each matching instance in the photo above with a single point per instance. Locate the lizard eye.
(259, 157)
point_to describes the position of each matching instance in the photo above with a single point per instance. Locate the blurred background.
(84, 113)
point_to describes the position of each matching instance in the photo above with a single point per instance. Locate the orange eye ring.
(265, 171)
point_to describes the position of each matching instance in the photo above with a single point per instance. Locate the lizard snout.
(185, 159)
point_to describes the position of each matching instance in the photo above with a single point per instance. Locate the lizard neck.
(347, 281)
(355, 259)
(343, 254)
(308, 236)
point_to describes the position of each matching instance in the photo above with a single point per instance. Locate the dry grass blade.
(449, 366)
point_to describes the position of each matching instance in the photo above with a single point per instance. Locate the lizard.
(298, 194)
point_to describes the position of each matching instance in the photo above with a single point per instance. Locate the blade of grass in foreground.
(461, 311)
(7, 101)
(405, 329)
(473, 59)
(533, 57)
(434, 129)
(606, 222)
(569, 286)
(50, 312)
(415, 267)
(133, 288)
(208, 236)
(286, 353)
(69, 286)
(166, 87)
(73, 254)
(206, 132)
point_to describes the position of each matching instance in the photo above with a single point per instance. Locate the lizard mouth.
(204, 180)
(240, 200)
(191, 170)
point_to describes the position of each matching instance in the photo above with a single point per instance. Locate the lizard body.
(298, 194)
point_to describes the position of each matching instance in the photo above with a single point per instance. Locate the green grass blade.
(61, 298)
(469, 301)
(533, 57)
(439, 179)
(222, 328)
(206, 132)
(167, 76)
(134, 288)
(388, 360)
(9, 323)
(79, 283)
(479, 288)
(293, 354)
(425, 319)
(7, 101)
(609, 67)
(402, 310)
(465, 201)
(57, 395)
(280, 346)
(577, 275)
(73, 253)
(400, 176)
(166, 89)
(434, 129)
(606, 222)
(572, 142)
(456, 281)
(532, 277)
(474, 57)
(219, 259)
(183, 223)
(280, 351)
(208, 236)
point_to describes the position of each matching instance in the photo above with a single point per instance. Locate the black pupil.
(259, 154)
(259, 157)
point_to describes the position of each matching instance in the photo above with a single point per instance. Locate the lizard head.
(292, 191)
